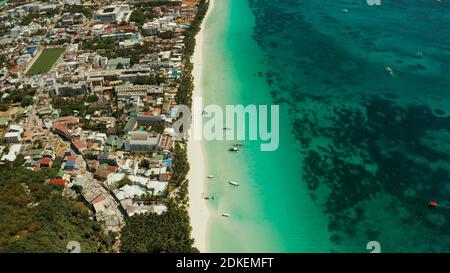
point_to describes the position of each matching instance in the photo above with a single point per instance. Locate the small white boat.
(226, 215)
(233, 183)
(234, 149)
(345, 10)
(210, 176)
(389, 70)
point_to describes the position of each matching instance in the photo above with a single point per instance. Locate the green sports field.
(45, 61)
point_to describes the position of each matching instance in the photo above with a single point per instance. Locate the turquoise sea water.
(361, 152)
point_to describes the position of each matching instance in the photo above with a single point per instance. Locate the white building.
(141, 142)
(12, 137)
(16, 31)
(14, 150)
(129, 192)
(98, 29)
(159, 188)
(16, 128)
(113, 13)
(151, 28)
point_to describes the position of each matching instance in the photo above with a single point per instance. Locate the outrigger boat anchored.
(233, 183)
(236, 147)
(389, 71)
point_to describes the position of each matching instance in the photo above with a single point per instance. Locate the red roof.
(71, 158)
(99, 199)
(165, 176)
(58, 182)
(79, 144)
(45, 161)
(61, 128)
(112, 169)
(14, 69)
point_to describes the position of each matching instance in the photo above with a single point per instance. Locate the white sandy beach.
(198, 209)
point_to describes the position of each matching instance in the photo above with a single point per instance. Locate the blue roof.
(167, 162)
(70, 164)
(31, 50)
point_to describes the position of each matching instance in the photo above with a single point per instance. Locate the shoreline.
(198, 209)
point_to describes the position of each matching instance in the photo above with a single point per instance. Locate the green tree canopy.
(152, 233)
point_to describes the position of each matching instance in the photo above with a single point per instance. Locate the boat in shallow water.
(389, 71)
(233, 183)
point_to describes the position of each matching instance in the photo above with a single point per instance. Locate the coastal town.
(89, 92)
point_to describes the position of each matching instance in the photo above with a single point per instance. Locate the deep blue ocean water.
(375, 147)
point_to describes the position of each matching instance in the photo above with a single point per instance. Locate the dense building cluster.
(90, 87)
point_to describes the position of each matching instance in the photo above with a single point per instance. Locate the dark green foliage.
(24, 97)
(133, 53)
(26, 101)
(166, 35)
(85, 10)
(35, 217)
(180, 165)
(144, 163)
(150, 80)
(158, 127)
(184, 93)
(90, 156)
(152, 233)
(94, 126)
(123, 182)
(18, 95)
(92, 98)
(150, 4)
(138, 16)
(4, 30)
(68, 105)
(98, 44)
(28, 19)
(171, 231)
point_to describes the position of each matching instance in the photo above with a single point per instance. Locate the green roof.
(119, 143)
(131, 123)
(110, 140)
(112, 64)
(81, 180)
(60, 173)
(36, 157)
(4, 121)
